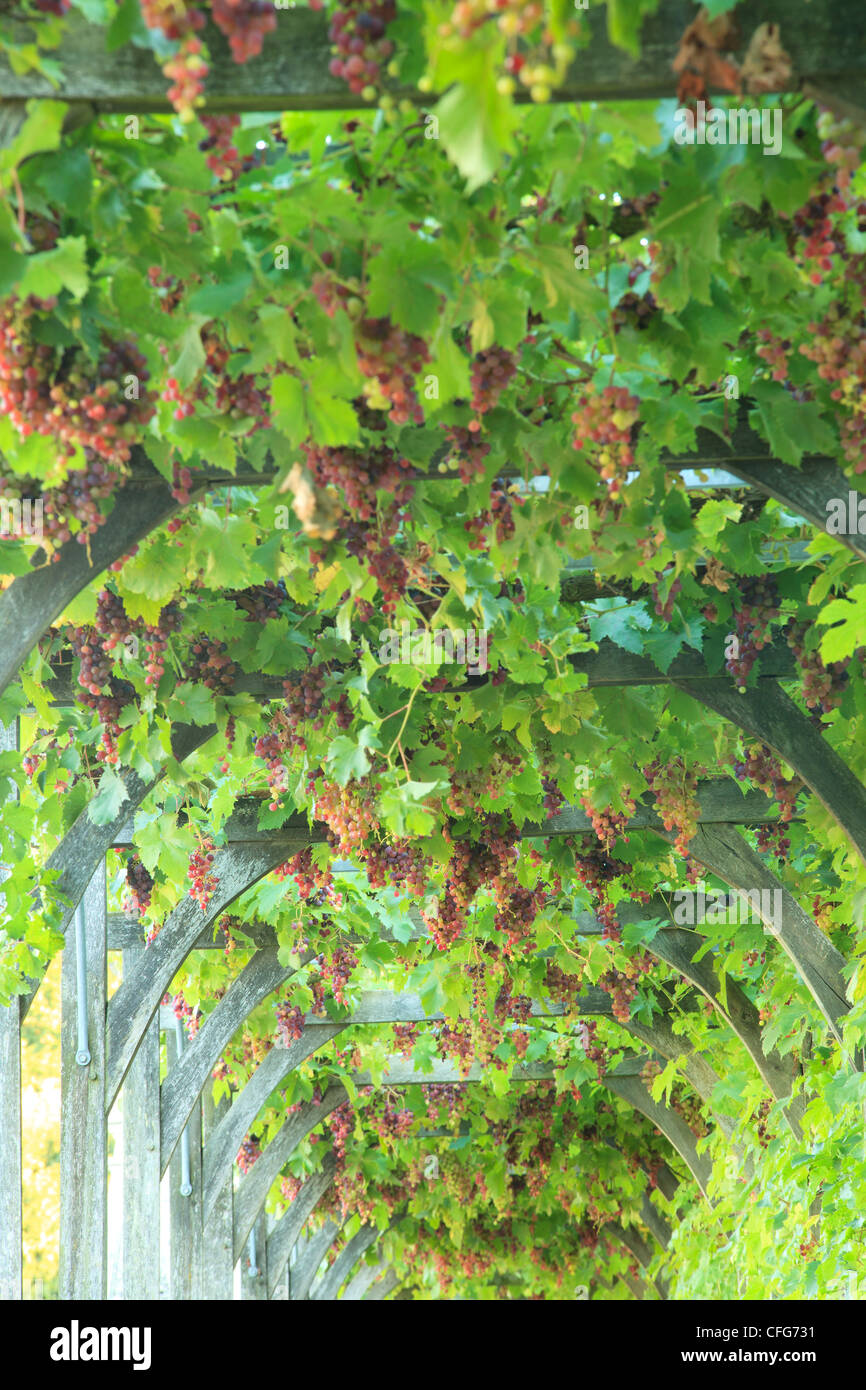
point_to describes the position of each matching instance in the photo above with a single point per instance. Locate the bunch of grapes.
(490, 780)
(244, 23)
(338, 970)
(290, 1025)
(156, 642)
(815, 238)
(455, 1042)
(405, 1037)
(140, 884)
(359, 43)
(469, 451)
(211, 665)
(359, 477)
(203, 882)
(492, 370)
(609, 825)
(553, 797)
(638, 310)
(398, 862)
(771, 839)
(594, 1051)
(384, 563)
(310, 879)
(605, 423)
(775, 352)
(759, 608)
(223, 158)
(512, 1006)
(391, 358)
(270, 748)
(249, 1153)
(674, 787)
(837, 343)
(261, 602)
(823, 686)
(760, 766)
(186, 69)
(516, 913)
(349, 813)
(112, 621)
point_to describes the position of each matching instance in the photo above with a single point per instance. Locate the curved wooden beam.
(84, 846)
(385, 1286)
(769, 714)
(725, 853)
(327, 1288)
(306, 1266)
(287, 1230)
(631, 1089)
(635, 1243)
(136, 1001)
(362, 1281)
(34, 600)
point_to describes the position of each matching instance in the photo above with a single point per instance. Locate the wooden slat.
(288, 1228)
(185, 1237)
(83, 1113)
(328, 1287)
(217, 1225)
(631, 1089)
(254, 1283)
(11, 1268)
(310, 1256)
(825, 43)
(141, 1205)
(382, 1288)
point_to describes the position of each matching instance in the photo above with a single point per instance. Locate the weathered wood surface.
(287, 1230)
(138, 998)
(819, 964)
(655, 1222)
(83, 1112)
(254, 1279)
(721, 801)
(85, 845)
(610, 666)
(310, 1255)
(770, 715)
(292, 74)
(217, 1224)
(328, 1287)
(32, 601)
(141, 1205)
(223, 1145)
(660, 1036)
(363, 1280)
(10, 1110)
(382, 1288)
(185, 1237)
(180, 1091)
(678, 948)
(635, 1243)
(631, 1089)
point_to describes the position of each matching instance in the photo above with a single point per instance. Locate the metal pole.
(82, 1055)
(185, 1180)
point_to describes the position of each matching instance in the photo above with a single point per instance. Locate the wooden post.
(10, 1116)
(185, 1207)
(83, 1120)
(141, 1161)
(254, 1278)
(217, 1229)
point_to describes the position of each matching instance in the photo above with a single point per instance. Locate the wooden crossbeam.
(721, 801)
(825, 42)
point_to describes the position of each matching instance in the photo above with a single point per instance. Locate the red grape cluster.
(469, 451)
(391, 358)
(204, 882)
(210, 665)
(349, 813)
(674, 787)
(634, 309)
(823, 686)
(399, 862)
(112, 621)
(261, 602)
(492, 370)
(815, 237)
(244, 23)
(760, 766)
(140, 884)
(270, 748)
(249, 1153)
(838, 345)
(358, 36)
(605, 423)
(187, 69)
(772, 839)
(338, 970)
(156, 642)
(491, 780)
(594, 1051)
(609, 825)
(310, 879)
(405, 1037)
(290, 1025)
(223, 158)
(775, 352)
(359, 477)
(759, 608)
